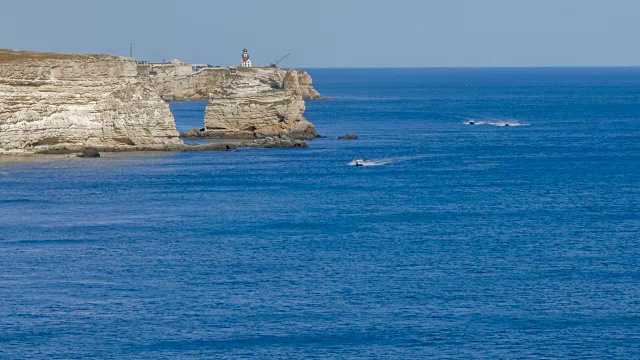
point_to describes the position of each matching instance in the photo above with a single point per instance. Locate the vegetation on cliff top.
(14, 55)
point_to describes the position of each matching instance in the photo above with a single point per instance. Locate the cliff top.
(15, 55)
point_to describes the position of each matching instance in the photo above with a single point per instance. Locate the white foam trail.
(495, 122)
(386, 161)
(370, 163)
(504, 123)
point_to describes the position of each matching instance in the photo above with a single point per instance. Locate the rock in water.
(89, 153)
(278, 142)
(249, 107)
(192, 134)
(349, 136)
(53, 100)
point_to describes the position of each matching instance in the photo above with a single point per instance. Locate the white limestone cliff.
(54, 100)
(249, 105)
(177, 81)
(299, 82)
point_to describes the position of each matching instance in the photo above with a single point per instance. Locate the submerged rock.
(349, 136)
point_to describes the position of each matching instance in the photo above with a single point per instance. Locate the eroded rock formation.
(59, 102)
(300, 83)
(249, 105)
(54, 100)
(177, 81)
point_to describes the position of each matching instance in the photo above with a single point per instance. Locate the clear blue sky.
(335, 33)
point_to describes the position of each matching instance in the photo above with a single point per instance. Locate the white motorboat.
(359, 162)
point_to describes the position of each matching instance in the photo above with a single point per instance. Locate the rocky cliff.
(300, 83)
(54, 100)
(246, 103)
(177, 81)
(249, 104)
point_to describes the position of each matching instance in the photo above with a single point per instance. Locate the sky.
(334, 33)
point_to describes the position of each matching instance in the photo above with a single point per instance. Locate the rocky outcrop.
(278, 142)
(348, 136)
(218, 146)
(299, 82)
(177, 80)
(245, 103)
(248, 105)
(56, 100)
(71, 102)
(89, 153)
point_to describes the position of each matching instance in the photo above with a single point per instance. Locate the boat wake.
(386, 161)
(505, 123)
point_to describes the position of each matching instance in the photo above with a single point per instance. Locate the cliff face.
(178, 82)
(256, 102)
(78, 100)
(252, 104)
(74, 101)
(300, 83)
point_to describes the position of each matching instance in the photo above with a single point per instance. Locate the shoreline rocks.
(278, 142)
(162, 148)
(89, 153)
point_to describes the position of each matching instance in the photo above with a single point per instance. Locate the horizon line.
(475, 67)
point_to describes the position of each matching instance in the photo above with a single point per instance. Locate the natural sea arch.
(188, 114)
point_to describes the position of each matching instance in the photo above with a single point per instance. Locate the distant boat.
(472, 122)
(359, 162)
(507, 124)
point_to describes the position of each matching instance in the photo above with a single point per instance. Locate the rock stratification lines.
(54, 100)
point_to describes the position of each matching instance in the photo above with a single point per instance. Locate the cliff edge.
(251, 104)
(244, 102)
(54, 100)
(178, 81)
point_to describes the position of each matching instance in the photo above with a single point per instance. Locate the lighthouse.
(246, 60)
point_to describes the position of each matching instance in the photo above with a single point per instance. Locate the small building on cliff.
(246, 60)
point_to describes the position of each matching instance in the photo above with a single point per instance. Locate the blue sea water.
(466, 241)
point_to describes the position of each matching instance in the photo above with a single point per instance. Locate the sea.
(515, 237)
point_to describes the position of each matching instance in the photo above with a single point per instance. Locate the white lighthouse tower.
(246, 60)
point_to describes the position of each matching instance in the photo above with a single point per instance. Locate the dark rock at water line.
(278, 142)
(349, 136)
(192, 134)
(89, 153)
